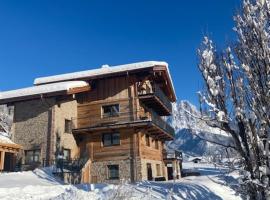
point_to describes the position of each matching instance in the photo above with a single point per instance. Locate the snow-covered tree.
(6, 115)
(237, 93)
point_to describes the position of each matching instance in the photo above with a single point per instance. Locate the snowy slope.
(194, 136)
(214, 183)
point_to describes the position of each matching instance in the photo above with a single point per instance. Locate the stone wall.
(38, 122)
(99, 171)
(65, 110)
(31, 125)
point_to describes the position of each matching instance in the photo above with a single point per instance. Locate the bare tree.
(237, 93)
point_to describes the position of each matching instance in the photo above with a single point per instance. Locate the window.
(66, 154)
(67, 126)
(110, 139)
(113, 171)
(110, 110)
(156, 144)
(32, 156)
(10, 110)
(158, 169)
(147, 140)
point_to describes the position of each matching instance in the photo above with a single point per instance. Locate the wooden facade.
(136, 120)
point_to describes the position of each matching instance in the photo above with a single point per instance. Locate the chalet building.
(8, 153)
(111, 119)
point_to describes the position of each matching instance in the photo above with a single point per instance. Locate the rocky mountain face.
(193, 136)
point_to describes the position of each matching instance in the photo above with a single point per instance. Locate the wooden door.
(149, 172)
(170, 173)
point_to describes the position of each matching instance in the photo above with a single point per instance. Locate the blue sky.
(40, 38)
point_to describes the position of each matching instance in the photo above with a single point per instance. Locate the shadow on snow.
(182, 190)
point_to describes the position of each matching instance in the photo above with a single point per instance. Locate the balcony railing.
(161, 123)
(172, 154)
(156, 91)
(122, 118)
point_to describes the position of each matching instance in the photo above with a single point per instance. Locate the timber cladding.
(91, 114)
(151, 152)
(109, 89)
(99, 152)
(132, 144)
(118, 90)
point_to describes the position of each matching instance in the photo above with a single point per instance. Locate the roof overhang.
(110, 71)
(7, 147)
(40, 91)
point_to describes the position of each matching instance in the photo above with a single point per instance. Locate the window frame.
(68, 126)
(34, 154)
(111, 139)
(158, 169)
(147, 140)
(156, 144)
(109, 172)
(69, 154)
(109, 115)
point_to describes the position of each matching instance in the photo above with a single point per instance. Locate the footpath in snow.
(213, 184)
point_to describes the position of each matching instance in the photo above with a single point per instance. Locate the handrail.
(172, 154)
(155, 90)
(74, 165)
(162, 123)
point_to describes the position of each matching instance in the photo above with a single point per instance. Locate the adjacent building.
(111, 119)
(8, 152)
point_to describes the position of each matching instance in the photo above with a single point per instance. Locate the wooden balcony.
(154, 124)
(153, 97)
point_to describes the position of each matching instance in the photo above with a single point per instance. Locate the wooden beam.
(79, 90)
(2, 160)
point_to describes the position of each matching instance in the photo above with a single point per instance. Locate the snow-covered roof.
(4, 138)
(42, 89)
(104, 70)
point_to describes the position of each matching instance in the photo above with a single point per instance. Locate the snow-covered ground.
(213, 184)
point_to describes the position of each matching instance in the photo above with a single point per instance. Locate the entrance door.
(170, 173)
(9, 162)
(149, 172)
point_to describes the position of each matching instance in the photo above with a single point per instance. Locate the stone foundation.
(127, 171)
(99, 171)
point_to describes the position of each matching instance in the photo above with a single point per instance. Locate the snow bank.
(42, 89)
(39, 185)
